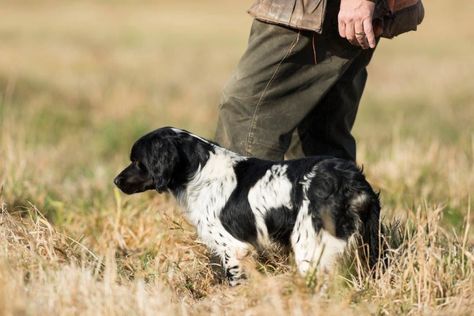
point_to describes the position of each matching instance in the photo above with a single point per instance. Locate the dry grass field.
(81, 80)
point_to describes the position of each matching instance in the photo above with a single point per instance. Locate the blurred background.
(81, 80)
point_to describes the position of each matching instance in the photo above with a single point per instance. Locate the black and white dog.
(313, 205)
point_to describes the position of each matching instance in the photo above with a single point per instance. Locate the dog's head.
(162, 160)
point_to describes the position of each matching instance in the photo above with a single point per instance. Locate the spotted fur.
(312, 205)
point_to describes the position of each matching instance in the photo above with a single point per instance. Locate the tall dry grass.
(44, 271)
(80, 81)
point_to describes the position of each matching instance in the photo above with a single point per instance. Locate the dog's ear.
(164, 159)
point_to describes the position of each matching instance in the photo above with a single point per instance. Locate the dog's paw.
(233, 283)
(236, 279)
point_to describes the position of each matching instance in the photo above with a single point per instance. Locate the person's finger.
(350, 34)
(360, 35)
(369, 32)
(342, 28)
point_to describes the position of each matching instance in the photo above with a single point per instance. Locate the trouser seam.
(253, 123)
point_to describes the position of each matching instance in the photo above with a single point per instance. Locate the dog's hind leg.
(313, 249)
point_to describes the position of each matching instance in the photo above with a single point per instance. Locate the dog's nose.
(117, 181)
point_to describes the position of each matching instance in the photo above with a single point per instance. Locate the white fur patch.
(330, 247)
(273, 190)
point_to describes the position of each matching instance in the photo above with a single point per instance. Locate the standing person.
(302, 77)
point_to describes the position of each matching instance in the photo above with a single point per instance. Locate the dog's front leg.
(232, 263)
(313, 249)
(230, 250)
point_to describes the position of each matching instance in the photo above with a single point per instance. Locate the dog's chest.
(207, 193)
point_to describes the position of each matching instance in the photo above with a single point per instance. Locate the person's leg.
(327, 129)
(257, 89)
(280, 79)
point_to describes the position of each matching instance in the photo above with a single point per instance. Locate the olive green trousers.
(294, 94)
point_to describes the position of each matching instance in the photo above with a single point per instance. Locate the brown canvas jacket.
(396, 16)
(300, 14)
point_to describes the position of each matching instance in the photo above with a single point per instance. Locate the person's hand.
(355, 22)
